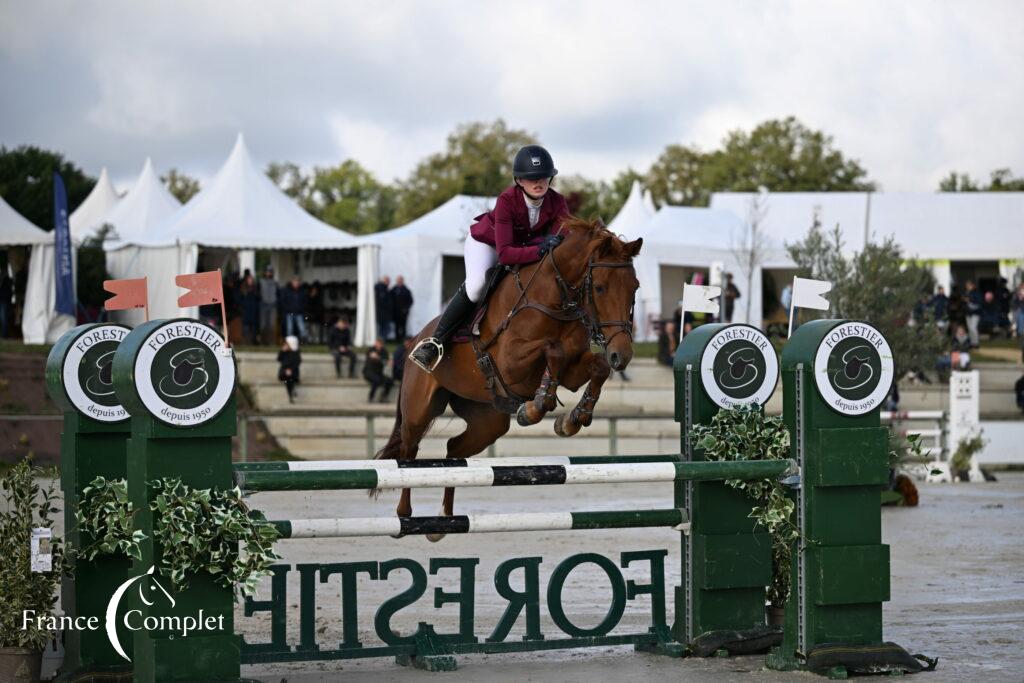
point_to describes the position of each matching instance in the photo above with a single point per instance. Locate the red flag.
(205, 288)
(127, 294)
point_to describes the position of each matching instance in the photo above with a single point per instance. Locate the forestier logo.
(739, 366)
(87, 376)
(853, 368)
(183, 374)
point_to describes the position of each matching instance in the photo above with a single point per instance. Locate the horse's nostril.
(614, 358)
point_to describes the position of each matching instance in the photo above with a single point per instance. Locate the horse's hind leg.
(484, 426)
(422, 401)
(591, 367)
(532, 412)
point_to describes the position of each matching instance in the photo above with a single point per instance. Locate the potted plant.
(27, 594)
(746, 433)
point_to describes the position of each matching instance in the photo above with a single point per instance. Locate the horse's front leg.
(544, 399)
(591, 367)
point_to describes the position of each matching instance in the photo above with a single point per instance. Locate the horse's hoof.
(559, 426)
(521, 417)
(397, 535)
(434, 538)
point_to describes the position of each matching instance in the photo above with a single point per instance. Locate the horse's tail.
(393, 448)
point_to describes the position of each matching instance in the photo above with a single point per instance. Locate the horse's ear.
(633, 248)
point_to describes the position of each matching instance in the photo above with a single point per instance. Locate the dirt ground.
(957, 585)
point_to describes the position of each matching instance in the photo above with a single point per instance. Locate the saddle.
(471, 326)
(507, 401)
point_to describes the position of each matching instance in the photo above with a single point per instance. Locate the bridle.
(572, 306)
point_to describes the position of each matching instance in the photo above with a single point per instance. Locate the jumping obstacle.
(842, 573)
(456, 474)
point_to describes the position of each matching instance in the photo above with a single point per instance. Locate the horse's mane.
(600, 240)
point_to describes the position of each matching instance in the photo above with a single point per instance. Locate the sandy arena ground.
(957, 585)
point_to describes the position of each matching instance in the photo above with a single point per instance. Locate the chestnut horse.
(538, 328)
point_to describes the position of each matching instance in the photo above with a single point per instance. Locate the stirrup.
(423, 342)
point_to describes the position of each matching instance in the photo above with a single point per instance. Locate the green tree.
(782, 156)
(878, 285)
(292, 181)
(182, 186)
(26, 182)
(92, 271)
(477, 161)
(597, 198)
(349, 197)
(1000, 180)
(677, 177)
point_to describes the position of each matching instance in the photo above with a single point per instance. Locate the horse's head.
(608, 284)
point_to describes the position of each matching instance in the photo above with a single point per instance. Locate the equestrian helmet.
(533, 162)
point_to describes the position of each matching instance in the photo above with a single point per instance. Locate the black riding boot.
(429, 351)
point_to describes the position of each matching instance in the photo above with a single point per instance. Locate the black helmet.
(533, 162)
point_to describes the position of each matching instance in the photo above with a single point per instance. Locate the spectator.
(289, 359)
(382, 301)
(402, 299)
(1003, 301)
(268, 306)
(6, 308)
(339, 342)
(959, 357)
(668, 340)
(957, 312)
(293, 302)
(249, 296)
(1017, 306)
(398, 362)
(730, 293)
(991, 316)
(974, 303)
(940, 307)
(373, 371)
(315, 311)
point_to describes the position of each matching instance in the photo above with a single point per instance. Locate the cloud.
(912, 90)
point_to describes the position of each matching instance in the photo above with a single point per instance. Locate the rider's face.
(535, 188)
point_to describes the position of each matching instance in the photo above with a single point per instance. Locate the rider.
(519, 230)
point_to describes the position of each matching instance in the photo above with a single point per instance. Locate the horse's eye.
(599, 289)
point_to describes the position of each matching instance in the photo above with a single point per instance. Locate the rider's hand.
(549, 243)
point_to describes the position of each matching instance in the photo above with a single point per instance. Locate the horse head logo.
(188, 374)
(115, 601)
(741, 371)
(856, 370)
(102, 383)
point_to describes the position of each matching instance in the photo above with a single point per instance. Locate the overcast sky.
(911, 89)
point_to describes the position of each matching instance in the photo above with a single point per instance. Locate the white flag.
(808, 293)
(699, 298)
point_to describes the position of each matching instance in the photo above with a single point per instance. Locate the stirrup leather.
(424, 342)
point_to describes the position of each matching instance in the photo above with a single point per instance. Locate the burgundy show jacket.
(507, 226)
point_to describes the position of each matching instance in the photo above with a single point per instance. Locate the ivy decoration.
(745, 433)
(106, 515)
(199, 530)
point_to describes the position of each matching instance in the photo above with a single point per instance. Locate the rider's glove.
(549, 243)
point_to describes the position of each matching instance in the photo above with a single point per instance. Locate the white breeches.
(479, 258)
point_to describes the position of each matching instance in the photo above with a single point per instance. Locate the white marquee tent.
(939, 227)
(416, 250)
(38, 319)
(678, 238)
(635, 212)
(240, 209)
(88, 218)
(147, 205)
